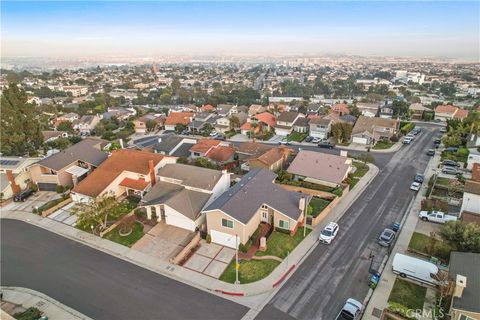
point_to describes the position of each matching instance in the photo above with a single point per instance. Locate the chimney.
(301, 204)
(151, 169)
(343, 153)
(11, 178)
(460, 285)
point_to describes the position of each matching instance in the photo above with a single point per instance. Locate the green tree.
(180, 127)
(65, 126)
(234, 122)
(151, 125)
(462, 236)
(20, 131)
(95, 212)
(165, 98)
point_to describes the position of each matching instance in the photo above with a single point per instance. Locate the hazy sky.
(89, 28)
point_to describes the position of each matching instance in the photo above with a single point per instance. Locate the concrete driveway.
(210, 259)
(36, 200)
(65, 215)
(163, 241)
(276, 139)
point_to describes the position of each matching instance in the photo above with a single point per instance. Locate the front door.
(264, 216)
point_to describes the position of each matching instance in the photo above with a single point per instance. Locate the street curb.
(283, 276)
(44, 297)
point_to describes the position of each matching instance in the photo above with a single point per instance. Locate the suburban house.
(182, 192)
(314, 109)
(175, 118)
(255, 109)
(224, 110)
(222, 124)
(207, 108)
(386, 110)
(267, 120)
(301, 125)
(173, 145)
(273, 159)
(125, 173)
(234, 216)
(464, 271)
(141, 123)
(119, 113)
(68, 167)
(321, 168)
(445, 112)
(216, 151)
(340, 109)
(348, 118)
(368, 109)
(52, 135)
(470, 210)
(320, 127)
(200, 120)
(369, 130)
(86, 124)
(14, 175)
(286, 121)
(473, 158)
(247, 150)
(417, 110)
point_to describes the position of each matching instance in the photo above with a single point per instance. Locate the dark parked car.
(22, 196)
(326, 145)
(386, 238)
(220, 137)
(419, 178)
(452, 149)
(309, 139)
(450, 163)
(431, 152)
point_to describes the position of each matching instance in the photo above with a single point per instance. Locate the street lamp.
(237, 266)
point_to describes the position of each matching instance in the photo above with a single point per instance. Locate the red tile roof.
(120, 160)
(203, 145)
(446, 108)
(175, 118)
(461, 114)
(340, 108)
(221, 153)
(267, 118)
(136, 184)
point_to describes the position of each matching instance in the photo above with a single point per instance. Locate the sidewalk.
(190, 277)
(17, 299)
(379, 297)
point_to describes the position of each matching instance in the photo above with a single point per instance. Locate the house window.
(283, 224)
(227, 223)
(196, 154)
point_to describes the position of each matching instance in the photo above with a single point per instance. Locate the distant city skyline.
(95, 29)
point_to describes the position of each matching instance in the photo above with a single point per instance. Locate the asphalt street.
(332, 273)
(97, 284)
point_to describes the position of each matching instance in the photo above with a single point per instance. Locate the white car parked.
(328, 233)
(415, 186)
(213, 134)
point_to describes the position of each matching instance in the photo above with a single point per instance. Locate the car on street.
(309, 139)
(284, 141)
(326, 145)
(450, 170)
(450, 163)
(351, 310)
(386, 237)
(419, 178)
(220, 137)
(443, 130)
(415, 186)
(411, 136)
(431, 152)
(23, 195)
(436, 216)
(407, 140)
(328, 233)
(437, 143)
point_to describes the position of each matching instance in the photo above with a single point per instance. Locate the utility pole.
(237, 266)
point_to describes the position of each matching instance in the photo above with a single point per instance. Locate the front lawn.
(460, 156)
(137, 233)
(281, 244)
(317, 205)
(296, 136)
(361, 170)
(422, 243)
(407, 294)
(250, 270)
(382, 145)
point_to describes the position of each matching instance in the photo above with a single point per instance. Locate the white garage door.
(359, 140)
(224, 239)
(180, 222)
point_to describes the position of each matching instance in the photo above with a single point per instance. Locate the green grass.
(424, 244)
(250, 271)
(460, 156)
(443, 181)
(317, 205)
(129, 240)
(361, 170)
(408, 294)
(420, 242)
(382, 145)
(296, 136)
(280, 244)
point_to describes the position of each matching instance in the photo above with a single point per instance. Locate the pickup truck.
(436, 216)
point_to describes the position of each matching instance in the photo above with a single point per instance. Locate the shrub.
(406, 127)
(338, 192)
(281, 230)
(209, 238)
(244, 248)
(59, 189)
(140, 213)
(394, 138)
(31, 313)
(34, 187)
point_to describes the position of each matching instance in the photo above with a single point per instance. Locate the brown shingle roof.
(221, 153)
(203, 145)
(368, 124)
(472, 187)
(476, 172)
(273, 155)
(120, 160)
(253, 148)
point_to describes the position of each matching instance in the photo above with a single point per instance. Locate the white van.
(415, 269)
